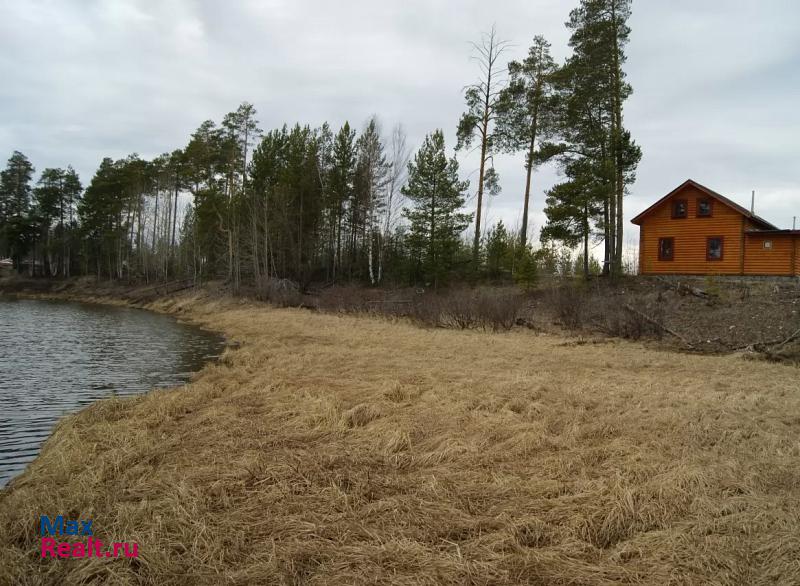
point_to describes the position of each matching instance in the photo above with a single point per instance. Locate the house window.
(767, 244)
(680, 208)
(714, 248)
(704, 208)
(666, 249)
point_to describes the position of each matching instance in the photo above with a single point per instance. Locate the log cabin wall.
(797, 256)
(709, 234)
(690, 236)
(770, 255)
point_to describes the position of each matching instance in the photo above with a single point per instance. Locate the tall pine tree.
(592, 90)
(436, 218)
(524, 113)
(477, 123)
(16, 228)
(572, 206)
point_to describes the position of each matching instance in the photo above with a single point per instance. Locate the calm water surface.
(56, 357)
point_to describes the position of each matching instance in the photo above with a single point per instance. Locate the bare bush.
(499, 310)
(280, 292)
(618, 320)
(486, 309)
(426, 310)
(344, 299)
(459, 310)
(569, 303)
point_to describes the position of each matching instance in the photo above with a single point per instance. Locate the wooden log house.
(696, 231)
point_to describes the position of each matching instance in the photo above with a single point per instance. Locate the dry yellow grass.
(344, 450)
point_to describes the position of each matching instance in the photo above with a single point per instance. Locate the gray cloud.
(716, 84)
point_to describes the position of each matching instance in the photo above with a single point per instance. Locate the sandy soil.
(329, 449)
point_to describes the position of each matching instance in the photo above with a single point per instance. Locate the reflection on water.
(56, 357)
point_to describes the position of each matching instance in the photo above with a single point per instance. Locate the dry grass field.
(330, 449)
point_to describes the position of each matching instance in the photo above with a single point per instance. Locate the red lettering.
(78, 550)
(64, 549)
(47, 547)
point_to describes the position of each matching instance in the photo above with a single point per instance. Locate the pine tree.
(524, 113)
(526, 270)
(593, 90)
(436, 220)
(16, 229)
(71, 193)
(48, 198)
(205, 178)
(265, 178)
(303, 201)
(483, 98)
(341, 186)
(499, 251)
(571, 207)
(239, 131)
(103, 223)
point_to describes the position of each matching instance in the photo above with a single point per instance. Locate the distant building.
(695, 231)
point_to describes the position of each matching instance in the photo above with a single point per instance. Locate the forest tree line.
(329, 205)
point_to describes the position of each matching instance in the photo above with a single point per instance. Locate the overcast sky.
(716, 82)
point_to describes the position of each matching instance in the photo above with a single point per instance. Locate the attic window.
(767, 244)
(704, 208)
(680, 208)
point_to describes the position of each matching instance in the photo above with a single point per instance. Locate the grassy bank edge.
(610, 514)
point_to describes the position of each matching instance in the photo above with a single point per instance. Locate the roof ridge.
(727, 201)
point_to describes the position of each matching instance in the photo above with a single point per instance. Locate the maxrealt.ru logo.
(78, 549)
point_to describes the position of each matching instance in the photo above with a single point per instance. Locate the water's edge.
(162, 305)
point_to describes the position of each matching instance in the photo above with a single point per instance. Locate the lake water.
(56, 357)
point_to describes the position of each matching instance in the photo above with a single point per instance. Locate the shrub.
(344, 299)
(426, 310)
(526, 272)
(466, 309)
(498, 310)
(569, 303)
(459, 310)
(280, 292)
(622, 322)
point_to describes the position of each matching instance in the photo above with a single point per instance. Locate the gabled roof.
(721, 198)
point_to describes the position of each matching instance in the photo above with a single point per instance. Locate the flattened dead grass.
(340, 450)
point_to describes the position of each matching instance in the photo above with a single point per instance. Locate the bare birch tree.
(371, 178)
(399, 157)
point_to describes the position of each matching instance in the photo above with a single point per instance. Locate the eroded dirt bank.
(334, 449)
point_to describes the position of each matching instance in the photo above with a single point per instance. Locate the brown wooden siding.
(797, 256)
(691, 234)
(641, 248)
(762, 261)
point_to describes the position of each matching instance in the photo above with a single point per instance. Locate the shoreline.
(35, 411)
(337, 449)
(158, 304)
